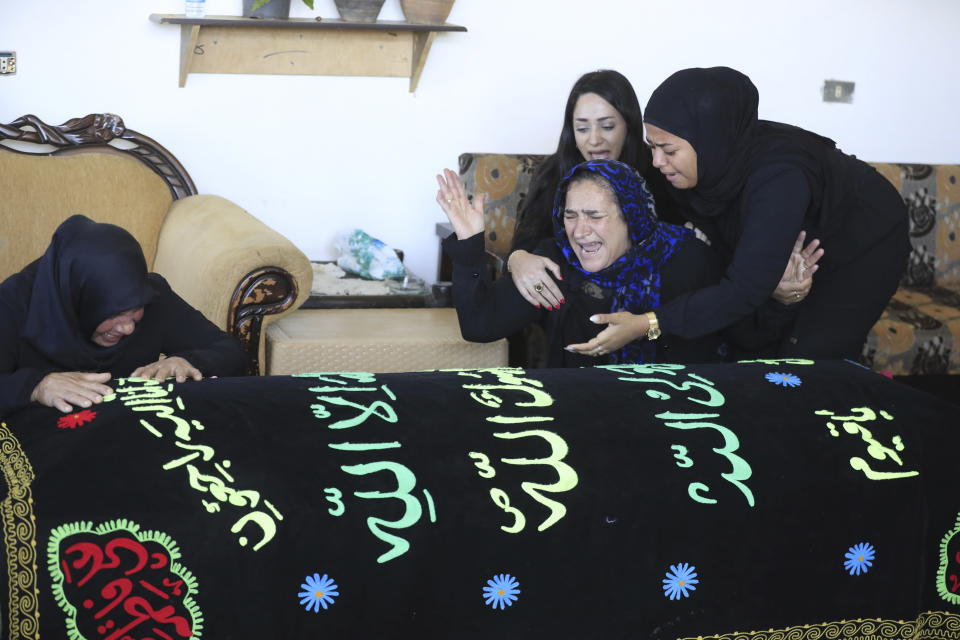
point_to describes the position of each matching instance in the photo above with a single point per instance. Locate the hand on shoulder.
(531, 276)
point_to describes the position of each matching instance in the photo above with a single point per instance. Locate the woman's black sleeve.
(534, 216)
(188, 334)
(773, 211)
(487, 310)
(16, 383)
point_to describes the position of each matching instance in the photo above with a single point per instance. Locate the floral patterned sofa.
(918, 333)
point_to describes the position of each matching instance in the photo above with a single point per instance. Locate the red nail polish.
(562, 300)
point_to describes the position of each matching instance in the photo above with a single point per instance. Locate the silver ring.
(796, 294)
(449, 200)
(538, 287)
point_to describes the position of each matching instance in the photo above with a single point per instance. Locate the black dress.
(760, 183)
(863, 261)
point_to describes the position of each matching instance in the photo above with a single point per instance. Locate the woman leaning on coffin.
(88, 311)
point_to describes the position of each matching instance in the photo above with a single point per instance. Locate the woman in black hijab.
(87, 311)
(751, 185)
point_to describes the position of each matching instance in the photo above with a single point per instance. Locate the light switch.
(8, 63)
(837, 91)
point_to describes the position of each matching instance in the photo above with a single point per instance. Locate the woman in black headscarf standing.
(88, 310)
(751, 185)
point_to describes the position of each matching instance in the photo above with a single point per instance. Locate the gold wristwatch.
(654, 331)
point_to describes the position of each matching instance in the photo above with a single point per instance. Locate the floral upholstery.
(918, 333)
(505, 179)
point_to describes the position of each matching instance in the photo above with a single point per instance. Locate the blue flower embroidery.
(318, 592)
(859, 558)
(783, 379)
(679, 581)
(501, 591)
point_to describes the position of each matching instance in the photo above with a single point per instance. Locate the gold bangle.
(653, 332)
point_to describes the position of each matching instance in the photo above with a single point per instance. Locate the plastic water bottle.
(195, 8)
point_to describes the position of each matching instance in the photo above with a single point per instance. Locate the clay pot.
(273, 9)
(426, 11)
(359, 10)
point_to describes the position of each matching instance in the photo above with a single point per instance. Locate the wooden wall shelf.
(303, 46)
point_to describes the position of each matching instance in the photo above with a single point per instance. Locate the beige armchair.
(237, 271)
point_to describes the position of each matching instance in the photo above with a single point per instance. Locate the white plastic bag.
(367, 257)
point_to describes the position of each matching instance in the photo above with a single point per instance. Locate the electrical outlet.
(837, 91)
(8, 63)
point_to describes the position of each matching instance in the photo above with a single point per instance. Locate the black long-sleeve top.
(169, 326)
(755, 235)
(489, 310)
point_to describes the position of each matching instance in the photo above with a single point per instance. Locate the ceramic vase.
(359, 10)
(274, 9)
(426, 11)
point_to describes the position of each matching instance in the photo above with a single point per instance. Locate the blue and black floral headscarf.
(635, 276)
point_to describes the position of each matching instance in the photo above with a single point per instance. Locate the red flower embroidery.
(74, 420)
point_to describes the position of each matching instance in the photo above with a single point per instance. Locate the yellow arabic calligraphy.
(566, 475)
(412, 511)
(741, 468)
(876, 450)
(482, 464)
(683, 460)
(502, 500)
(694, 489)
(714, 399)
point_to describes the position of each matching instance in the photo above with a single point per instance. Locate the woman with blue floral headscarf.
(615, 256)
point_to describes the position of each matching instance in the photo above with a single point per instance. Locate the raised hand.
(465, 216)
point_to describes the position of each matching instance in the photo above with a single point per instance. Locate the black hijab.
(90, 272)
(715, 110)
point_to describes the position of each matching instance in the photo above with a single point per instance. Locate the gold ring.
(538, 287)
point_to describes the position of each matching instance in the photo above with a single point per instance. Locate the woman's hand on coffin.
(622, 327)
(531, 277)
(172, 367)
(465, 215)
(797, 278)
(66, 390)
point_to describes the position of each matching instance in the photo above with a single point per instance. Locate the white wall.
(313, 156)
